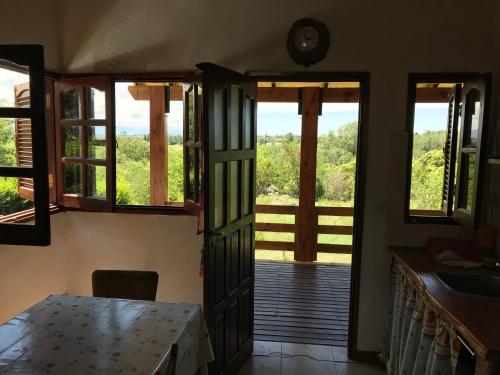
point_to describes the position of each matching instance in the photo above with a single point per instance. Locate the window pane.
(190, 114)
(12, 200)
(10, 86)
(468, 175)
(472, 117)
(249, 123)
(96, 181)
(427, 169)
(192, 177)
(97, 142)
(15, 150)
(70, 102)
(133, 153)
(73, 179)
(72, 142)
(96, 104)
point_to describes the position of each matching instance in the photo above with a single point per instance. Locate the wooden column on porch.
(157, 140)
(158, 146)
(307, 229)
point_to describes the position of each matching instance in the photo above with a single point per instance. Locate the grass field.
(289, 237)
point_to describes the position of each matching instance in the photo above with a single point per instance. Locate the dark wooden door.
(229, 115)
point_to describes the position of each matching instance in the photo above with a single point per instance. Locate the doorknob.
(216, 233)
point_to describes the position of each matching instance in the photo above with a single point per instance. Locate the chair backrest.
(136, 285)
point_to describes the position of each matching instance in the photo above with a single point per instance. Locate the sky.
(132, 116)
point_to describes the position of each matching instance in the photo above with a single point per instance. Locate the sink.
(472, 283)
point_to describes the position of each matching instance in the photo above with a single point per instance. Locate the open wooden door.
(229, 115)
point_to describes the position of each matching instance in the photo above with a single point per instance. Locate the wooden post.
(306, 218)
(157, 145)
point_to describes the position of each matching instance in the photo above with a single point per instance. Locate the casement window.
(83, 143)
(192, 143)
(446, 132)
(158, 145)
(24, 183)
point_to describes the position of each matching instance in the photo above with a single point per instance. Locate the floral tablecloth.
(86, 335)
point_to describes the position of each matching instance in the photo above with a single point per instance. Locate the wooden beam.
(275, 245)
(334, 248)
(142, 92)
(275, 209)
(139, 92)
(433, 95)
(335, 211)
(335, 229)
(306, 217)
(344, 95)
(158, 144)
(275, 227)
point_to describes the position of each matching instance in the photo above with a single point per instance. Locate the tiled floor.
(276, 358)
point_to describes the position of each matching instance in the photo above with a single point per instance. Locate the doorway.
(230, 192)
(308, 208)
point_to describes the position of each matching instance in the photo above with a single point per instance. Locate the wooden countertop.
(476, 318)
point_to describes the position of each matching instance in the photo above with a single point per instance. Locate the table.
(66, 334)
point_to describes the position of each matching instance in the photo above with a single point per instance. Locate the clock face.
(306, 39)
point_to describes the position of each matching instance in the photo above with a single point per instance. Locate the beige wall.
(388, 39)
(83, 242)
(165, 244)
(28, 274)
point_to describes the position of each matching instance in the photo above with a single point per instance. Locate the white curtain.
(418, 341)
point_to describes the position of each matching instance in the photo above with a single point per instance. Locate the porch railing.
(292, 228)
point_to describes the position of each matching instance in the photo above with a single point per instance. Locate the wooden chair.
(136, 285)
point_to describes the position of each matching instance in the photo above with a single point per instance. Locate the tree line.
(278, 167)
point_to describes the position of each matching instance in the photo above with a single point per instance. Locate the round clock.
(308, 41)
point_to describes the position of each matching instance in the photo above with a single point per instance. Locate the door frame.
(360, 182)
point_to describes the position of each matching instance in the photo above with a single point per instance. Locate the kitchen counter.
(476, 318)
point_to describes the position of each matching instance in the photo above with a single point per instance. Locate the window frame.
(186, 209)
(82, 85)
(413, 80)
(14, 233)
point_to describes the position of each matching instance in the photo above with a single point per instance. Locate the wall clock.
(308, 41)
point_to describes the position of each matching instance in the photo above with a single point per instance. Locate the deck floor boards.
(302, 303)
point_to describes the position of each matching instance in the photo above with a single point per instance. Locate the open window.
(445, 126)
(158, 145)
(24, 184)
(83, 143)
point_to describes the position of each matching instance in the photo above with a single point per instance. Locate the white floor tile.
(318, 352)
(262, 365)
(268, 348)
(305, 365)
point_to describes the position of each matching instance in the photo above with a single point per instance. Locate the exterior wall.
(389, 41)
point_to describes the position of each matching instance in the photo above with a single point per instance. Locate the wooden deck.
(303, 303)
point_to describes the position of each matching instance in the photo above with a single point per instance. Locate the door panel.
(229, 118)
